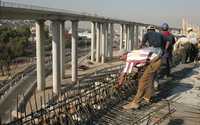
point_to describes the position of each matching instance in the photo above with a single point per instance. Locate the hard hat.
(165, 26)
(189, 29)
(151, 27)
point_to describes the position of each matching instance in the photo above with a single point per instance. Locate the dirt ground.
(15, 69)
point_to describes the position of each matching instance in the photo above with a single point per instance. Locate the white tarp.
(138, 58)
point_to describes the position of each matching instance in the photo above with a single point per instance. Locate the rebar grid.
(80, 105)
(97, 101)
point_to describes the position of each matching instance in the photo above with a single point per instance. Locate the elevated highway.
(102, 32)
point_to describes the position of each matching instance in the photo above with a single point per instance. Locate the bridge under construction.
(90, 96)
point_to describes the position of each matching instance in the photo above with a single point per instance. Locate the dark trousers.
(193, 53)
(185, 52)
(166, 64)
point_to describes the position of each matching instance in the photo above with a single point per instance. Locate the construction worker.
(145, 87)
(192, 36)
(181, 49)
(169, 43)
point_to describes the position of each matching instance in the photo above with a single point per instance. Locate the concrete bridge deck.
(10, 10)
(182, 93)
(102, 31)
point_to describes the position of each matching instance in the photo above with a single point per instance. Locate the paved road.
(10, 101)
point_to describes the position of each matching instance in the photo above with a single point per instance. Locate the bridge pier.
(121, 37)
(141, 33)
(133, 35)
(40, 55)
(56, 56)
(62, 50)
(74, 50)
(110, 41)
(127, 36)
(93, 40)
(106, 39)
(103, 42)
(97, 42)
(130, 37)
(100, 46)
(136, 41)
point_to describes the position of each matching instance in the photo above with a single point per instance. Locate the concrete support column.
(137, 36)
(74, 50)
(56, 56)
(121, 37)
(132, 36)
(141, 34)
(62, 50)
(127, 37)
(110, 48)
(106, 40)
(103, 39)
(40, 55)
(101, 32)
(93, 41)
(98, 42)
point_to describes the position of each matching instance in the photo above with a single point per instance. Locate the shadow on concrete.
(168, 85)
(176, 122)
(181, 87)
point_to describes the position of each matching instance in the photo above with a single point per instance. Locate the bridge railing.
(34, 7)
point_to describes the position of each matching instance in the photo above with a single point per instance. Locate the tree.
(12, 45)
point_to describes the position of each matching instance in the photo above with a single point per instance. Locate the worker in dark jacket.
(169, 43)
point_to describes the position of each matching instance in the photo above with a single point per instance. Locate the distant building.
(85, 34)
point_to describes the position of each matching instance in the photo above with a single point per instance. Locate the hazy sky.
(147, 11)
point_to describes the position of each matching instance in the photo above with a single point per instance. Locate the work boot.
(131, 105)
(147, 100)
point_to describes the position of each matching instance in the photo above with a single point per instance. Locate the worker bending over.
(145, 87)
(192, 36)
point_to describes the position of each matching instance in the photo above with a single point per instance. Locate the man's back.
(192, 37)
(154, 39)
(170, 39)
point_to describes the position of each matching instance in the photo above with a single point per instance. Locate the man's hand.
(121, 79)
(123, 56)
